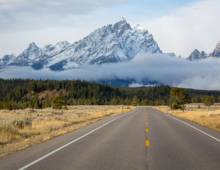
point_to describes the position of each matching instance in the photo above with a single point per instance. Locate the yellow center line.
(147, 143)
(147, 130)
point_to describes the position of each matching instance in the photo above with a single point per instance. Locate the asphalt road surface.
(140, 140)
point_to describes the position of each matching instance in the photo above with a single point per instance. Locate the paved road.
(121, 143)
(176, 145)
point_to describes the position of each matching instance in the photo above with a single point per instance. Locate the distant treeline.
(19, 94)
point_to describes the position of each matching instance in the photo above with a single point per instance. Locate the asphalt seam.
(195, 128)
(71, 142)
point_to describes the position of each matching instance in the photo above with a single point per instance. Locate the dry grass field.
(22, 128)
(209, 117)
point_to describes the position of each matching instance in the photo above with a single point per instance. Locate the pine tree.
(177, 98)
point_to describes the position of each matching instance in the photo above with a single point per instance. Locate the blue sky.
(138, 10)
(178, 25)
(152, 8)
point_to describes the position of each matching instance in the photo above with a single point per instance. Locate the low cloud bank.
(203, 74)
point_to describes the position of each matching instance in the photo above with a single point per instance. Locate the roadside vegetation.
(206, 113)
(208, 116)
(22, 128)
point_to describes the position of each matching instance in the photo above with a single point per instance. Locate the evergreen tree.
(177, 98)
(208, 101)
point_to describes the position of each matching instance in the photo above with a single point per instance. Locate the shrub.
(7, 134)
(22, 123)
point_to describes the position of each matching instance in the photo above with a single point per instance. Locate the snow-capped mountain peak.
(28, 56)
(32, 52)
(139, 28)
(110, 44)
(7, 59)
(121, 26)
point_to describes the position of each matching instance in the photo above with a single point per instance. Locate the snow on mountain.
(7, 59)
(197, 55)
(110, 44)
(30, 55)
(216, 52)
(52, 50)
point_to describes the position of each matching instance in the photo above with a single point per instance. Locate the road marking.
(147, 143)
(195, 128)
(71, 142)
(147, 130)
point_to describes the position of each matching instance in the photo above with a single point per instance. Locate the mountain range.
(199, 55)
(113, 43)
(110, 44)
(109, 47)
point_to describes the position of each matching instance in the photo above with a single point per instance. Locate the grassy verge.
(206, 117)
(22, 128)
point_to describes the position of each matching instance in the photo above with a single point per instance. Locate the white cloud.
(48, 21)
(184, 29)
(35, 14)
(173, 71)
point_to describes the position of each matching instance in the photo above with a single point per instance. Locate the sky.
(178, 26)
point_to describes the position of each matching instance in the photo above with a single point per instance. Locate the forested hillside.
(18, 94)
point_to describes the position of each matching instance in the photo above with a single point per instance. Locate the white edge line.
(195, 128)
(71, 142)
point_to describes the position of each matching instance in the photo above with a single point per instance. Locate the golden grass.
(208, 117)
(22, 128)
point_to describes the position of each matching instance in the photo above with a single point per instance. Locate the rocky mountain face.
(110, 44)
(7, 60)
(197, 55)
